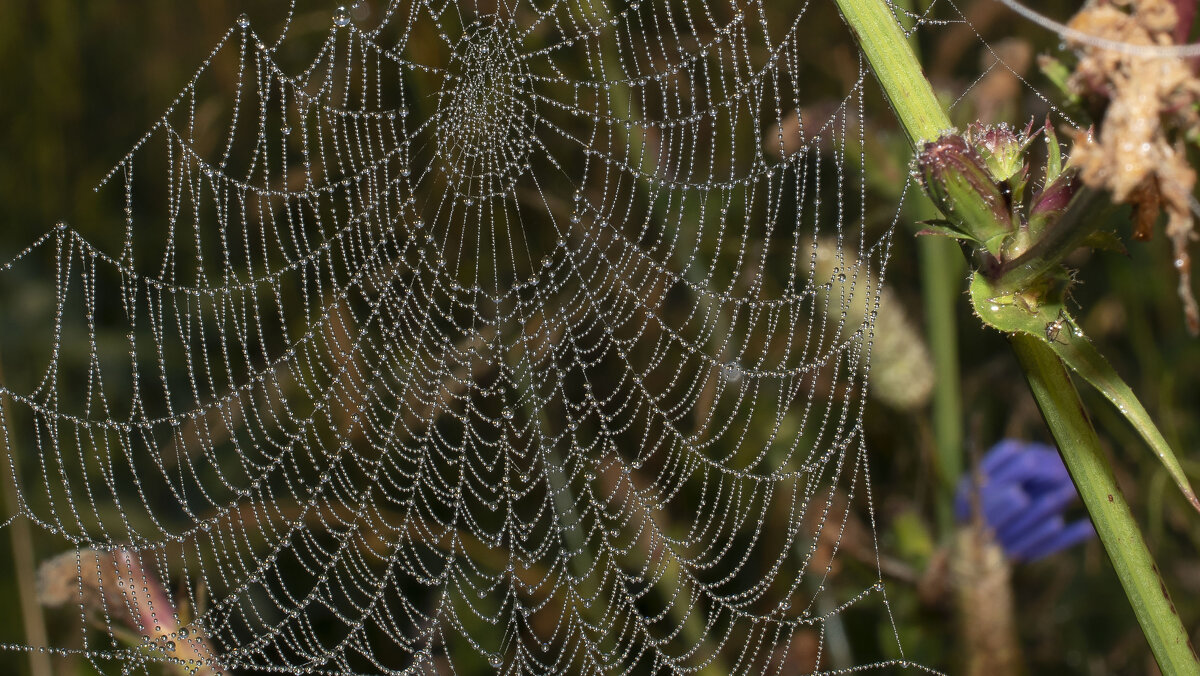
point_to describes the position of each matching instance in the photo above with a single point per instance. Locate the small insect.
(1054, 328)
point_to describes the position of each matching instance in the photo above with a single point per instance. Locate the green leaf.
(1051, 385)
(1049, 321)
(1053, 154)
(1059, 75)
(942, 228)
(1105, 240)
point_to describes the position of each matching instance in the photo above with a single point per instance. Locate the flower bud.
(1002, 149)
(958, 180)
(1051, 201)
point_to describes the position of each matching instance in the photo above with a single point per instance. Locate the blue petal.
(1052, 472)
(1040, 508)
(1034, 539)
(1029, 465)
(1036, 469)
(1003, 503)
(994, 460)
(999, 455)
(1067, 537)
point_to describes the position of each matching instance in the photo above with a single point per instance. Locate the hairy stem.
(894, 64)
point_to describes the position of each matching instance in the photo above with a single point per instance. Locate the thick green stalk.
(896, 67)
(922, 117)
(1080, 449)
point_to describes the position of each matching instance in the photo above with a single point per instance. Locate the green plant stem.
(1118, 531)
(941, 270)
(896, 67)
(941, 279)
(922, 117)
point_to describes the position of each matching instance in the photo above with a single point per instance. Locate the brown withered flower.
(1149, 108)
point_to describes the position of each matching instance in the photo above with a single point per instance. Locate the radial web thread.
(515, 338)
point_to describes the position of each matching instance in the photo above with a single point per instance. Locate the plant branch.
(24, 564)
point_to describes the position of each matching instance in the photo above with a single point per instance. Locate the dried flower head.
(1150, 107)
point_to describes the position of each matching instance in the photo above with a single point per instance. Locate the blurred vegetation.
(80, 81)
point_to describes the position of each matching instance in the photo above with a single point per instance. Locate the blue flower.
(1024, 490)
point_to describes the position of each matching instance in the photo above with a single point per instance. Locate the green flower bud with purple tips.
(1051, 201)
(1002, 149)
(978, 179)
(958, 180)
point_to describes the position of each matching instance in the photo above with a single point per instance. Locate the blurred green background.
(80, 81)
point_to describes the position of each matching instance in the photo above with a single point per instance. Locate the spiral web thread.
(555, 371)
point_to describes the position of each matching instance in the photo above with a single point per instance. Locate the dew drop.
(341, 17)
(733, 372)
(495, 659)
(243, 21)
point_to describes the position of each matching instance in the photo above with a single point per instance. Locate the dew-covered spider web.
(516, 337)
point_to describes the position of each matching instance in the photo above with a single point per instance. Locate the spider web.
(548, 371)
